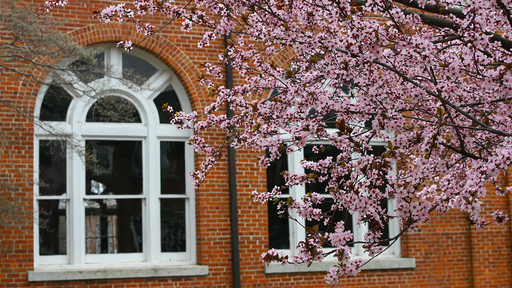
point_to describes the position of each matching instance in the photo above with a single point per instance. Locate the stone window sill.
(381, 263)
(90, 273)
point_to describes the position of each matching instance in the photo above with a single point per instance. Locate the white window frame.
(297, 232)
(151, 133)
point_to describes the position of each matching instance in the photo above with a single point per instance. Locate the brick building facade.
(196, 252)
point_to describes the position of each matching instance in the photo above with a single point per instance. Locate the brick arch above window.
(180, 63)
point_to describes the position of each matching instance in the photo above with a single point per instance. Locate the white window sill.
(81, 273)
(381, 263)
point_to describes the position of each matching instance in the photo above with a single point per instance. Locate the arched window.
(118, 191)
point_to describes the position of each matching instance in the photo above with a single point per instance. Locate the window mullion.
(76, 213)
(152, 189)
(298, 232)
(190, 212)
(114, 60)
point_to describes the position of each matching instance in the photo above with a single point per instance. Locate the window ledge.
(64, 274)
(381, 263)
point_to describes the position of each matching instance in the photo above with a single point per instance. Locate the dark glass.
(52, 167)
(113, 226)
(137, 70)
(169, 97)
(328, 150)
(346, 87)
(172, 167)
(274, 173)
(385, 229)
(55, 104)
(368, 124)
(336, 216)
(329, 119)
(113, 109)
(88, 70)
(113, 167)
(173, 227)
(278, 228)
(377, 150)
(52, 227)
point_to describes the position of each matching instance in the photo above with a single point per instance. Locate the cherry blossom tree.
(430, 78)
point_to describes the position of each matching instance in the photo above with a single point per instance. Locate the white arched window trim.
(76, 263)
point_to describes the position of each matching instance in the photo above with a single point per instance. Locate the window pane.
(172, 167)
(137, 70)
(168, 96)
(55, 104)
(328, 150)
(113, 226)
(88, 70)
(114, 167)
(113, 109)
(274, 170)
(385, 229)
(52, 167)
(278, 228)
(377, 151)
(173, 229)
(336, 216)
(52, 227)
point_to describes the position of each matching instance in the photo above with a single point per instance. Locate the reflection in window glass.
(377, 150)
(113, 109)
(173, 230)
(113, 167)
(169, 97)
(52, 167)
(172, 167)
(336, 216)
(88, 70)
(326, 151)
(137, 70)
(55, 104)
(113, 226)
(52, 227)
(278, 227)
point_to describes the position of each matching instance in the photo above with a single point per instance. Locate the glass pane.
(137, 70)
(278, 228)
(274, 170)
(113, 226)
(52, 227)
(88, 70)
(377, 150)
(173, 227)
(169, 97)
(329, 119)
(52, 167)
(55, 104)
(385, 229)
(113, 109)
(172, 167)
(328, 150)
(336, 216)
(113, 167)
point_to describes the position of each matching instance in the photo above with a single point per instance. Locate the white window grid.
(150, 132)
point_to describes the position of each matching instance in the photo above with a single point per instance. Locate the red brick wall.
(448, 253)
